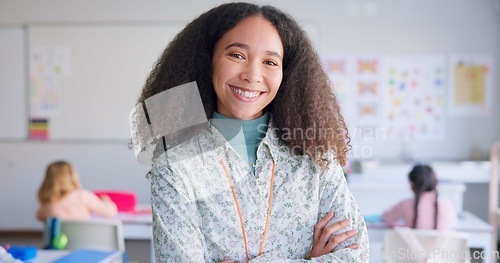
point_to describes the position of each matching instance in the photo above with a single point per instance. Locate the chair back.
(422, 246)
(100, 234)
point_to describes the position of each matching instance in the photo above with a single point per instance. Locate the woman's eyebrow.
(274, 53)
(240, 45)
(245, 46)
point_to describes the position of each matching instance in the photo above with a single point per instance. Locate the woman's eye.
(271, 63)
(237, 55)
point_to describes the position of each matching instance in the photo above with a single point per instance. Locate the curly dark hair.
(305, 110)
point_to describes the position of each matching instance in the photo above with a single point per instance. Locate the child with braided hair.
(424, 210)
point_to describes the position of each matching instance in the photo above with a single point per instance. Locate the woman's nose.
(252, 73)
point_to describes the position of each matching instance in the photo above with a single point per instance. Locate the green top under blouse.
(243, 135)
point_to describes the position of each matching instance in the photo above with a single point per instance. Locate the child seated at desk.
(425, 210)
(62, 196)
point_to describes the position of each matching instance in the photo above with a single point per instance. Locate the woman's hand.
(324, 242)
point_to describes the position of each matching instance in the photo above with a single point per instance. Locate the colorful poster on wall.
(339, 69)
(414, 90)
(367, 79)
(471, 85)
(44, 96)
(356, 83)
(403, 95)
(48, 66)
(50, 61)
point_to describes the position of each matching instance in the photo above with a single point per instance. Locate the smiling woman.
(245, 189)
(247, 68)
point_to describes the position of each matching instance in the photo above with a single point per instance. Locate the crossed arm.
(339, 236)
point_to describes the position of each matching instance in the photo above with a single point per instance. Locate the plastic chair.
(419, 246)
(99, 234)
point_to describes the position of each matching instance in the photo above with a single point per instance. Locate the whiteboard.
(101, 72)
(13, 106)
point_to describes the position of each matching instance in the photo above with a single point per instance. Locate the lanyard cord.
(240, 214)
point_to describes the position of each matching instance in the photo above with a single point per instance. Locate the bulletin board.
(13, 105)
(84, 79)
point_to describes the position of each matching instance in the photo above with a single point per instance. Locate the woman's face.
(247, 68)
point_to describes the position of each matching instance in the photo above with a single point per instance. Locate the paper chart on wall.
(471, 85)
(367, 79)
(47, 66)
(339, 70)
(356, 83)
(404, 95)
(414, 90)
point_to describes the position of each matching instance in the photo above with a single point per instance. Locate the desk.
(48, 256)
(137, 225)
(480, 234)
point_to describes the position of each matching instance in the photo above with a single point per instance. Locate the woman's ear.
(412, 187)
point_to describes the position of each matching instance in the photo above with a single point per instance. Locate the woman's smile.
(245, 94)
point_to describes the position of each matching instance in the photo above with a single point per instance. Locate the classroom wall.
(384, 27)
(390, 27)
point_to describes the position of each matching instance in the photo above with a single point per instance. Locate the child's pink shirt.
(447, 215)
(79, 204)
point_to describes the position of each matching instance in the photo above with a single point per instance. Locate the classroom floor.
(137, 250)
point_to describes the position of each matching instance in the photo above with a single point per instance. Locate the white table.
(479, 232)
(137, 225)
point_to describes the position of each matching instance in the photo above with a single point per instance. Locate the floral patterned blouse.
(208, 206)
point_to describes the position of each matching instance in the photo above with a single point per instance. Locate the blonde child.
(62, 196)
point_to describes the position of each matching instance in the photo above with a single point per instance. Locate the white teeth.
(248, 94)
